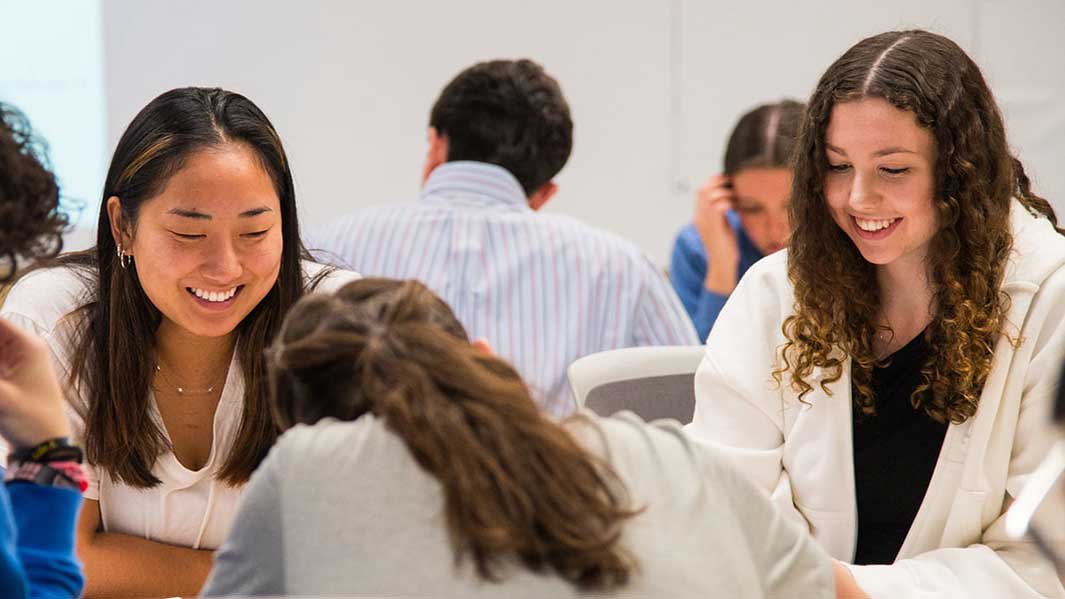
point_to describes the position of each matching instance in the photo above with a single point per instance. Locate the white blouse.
(189, 508)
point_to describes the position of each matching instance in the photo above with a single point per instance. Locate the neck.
(196, 360)
(905, 296)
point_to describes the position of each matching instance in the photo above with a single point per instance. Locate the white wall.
(51, 68)
(654, 86)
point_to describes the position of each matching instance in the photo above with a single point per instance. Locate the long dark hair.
(117, 325)
(975, 178)
(515, 482)
(31, 224)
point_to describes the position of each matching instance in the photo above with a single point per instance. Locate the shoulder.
(45, 296)
(625, 440)
(364, 217)
(644, 452)
(767, 280)
(605, 249)
(326, 279)
(747, 333)
(330, 439)
(688, 241)
(1038, 253)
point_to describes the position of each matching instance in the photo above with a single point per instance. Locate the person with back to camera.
(429, 471)
(41, 494)
(544, 288)
(741, 215)
(887, 379)
(160, 330)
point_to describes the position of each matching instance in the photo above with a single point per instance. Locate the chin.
(878, 258)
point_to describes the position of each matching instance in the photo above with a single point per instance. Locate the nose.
(863, 195)
(222, 263)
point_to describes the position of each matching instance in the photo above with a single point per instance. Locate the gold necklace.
(182, 390)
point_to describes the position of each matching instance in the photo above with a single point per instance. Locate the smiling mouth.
(874, 225)
(875, 228)
(220, 297)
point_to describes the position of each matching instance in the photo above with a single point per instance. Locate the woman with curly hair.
(416, 464)
(887, 379)
(41, 494)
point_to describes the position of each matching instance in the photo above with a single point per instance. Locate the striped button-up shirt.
(543, 289)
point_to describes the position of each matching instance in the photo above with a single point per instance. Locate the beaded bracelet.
(65, 475)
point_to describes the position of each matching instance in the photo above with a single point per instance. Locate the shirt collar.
(470, 183)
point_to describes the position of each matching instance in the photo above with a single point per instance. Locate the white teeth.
(213, 296)
(873, 225)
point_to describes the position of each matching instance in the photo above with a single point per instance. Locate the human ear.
(540, 197)
(437, 153)
(120, 230)
(481, 344)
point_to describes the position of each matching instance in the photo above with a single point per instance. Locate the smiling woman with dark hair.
(160, 329)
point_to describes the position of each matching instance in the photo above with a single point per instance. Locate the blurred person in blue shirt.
(740, 215)
(41, 493)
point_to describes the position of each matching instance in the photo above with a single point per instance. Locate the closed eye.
(839, 168)
(256, 234)
(894, 171)
(187, 235)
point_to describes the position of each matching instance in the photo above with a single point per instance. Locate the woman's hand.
(712, 203)
(31, 400)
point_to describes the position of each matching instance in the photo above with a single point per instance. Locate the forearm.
(120, 565)
(721, 278)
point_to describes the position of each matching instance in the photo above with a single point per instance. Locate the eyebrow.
(197, 215)
(878, 153)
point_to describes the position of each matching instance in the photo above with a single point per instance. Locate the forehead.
(762, 184)
(222, 182)
(873, 124)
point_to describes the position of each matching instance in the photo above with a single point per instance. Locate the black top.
(895, 452)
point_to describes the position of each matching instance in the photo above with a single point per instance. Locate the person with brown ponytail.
(430, 471)
(888, 379)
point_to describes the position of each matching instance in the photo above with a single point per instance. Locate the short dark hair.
(31, 225)
(509, 113)
(764, 137)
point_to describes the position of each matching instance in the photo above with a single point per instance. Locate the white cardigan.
(803, 457)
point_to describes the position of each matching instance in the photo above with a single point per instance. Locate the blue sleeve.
(45, 518)
(11, 574)
(687, 272)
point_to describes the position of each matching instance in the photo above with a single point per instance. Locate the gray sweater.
(342, 509)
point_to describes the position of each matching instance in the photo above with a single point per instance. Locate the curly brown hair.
(976, 177)
(515, 483)
(32, 225)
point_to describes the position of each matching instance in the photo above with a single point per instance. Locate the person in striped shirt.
(543, 289)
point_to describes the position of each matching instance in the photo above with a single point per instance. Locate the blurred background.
(654, 85)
